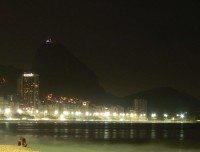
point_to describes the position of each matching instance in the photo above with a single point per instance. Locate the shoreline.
(60, 121)
(15, 148)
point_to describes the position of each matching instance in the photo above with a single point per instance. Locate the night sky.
(131, 46)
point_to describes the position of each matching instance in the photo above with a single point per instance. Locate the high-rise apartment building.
(140, 106)
(28, 89)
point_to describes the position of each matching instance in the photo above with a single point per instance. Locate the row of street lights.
(106, 114)
(166, 116)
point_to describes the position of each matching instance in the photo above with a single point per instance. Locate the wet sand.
(14, 148)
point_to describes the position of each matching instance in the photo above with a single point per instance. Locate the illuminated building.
(28, 89)
(85, 106)
(140, 106)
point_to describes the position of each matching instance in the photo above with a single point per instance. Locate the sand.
(13, 148)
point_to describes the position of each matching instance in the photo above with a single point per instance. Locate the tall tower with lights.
(28, 89)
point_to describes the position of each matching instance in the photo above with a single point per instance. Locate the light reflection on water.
(180, 137)
(165, 133)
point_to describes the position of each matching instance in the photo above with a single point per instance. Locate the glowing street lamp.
(19, 111)
(153, 115)
(66, 113)
(45, 112)
(7, 110)
(62, 117)
(87, 113)
(114, 114)
(77, 113)
(96, 114)
(165, 115)
(122, 114)
(56, 112)
(106, 114)
(182, 116)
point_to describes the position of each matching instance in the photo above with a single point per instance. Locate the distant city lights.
(28, 74)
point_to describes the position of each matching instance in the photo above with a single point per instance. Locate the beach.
(15, 148)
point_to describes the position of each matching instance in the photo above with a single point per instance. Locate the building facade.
(140, 107)
(28, 89)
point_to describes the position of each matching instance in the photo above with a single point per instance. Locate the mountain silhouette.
(8, 79)
(166, 99)
(62, 74)
(159, 100)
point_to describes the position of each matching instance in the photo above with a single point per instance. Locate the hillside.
(62, 74)
(166, 99)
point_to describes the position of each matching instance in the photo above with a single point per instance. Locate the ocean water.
(103, 136)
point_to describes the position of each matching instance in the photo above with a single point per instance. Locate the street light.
(19, 111)
(66, 113)
(45, 112)
(62, 117)
(114, 114)
(165, 115)
(153, 115)
(77, 113)
(87, 113)
(106, 114)
(182, 116)
(7, 110)
(56, 112)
